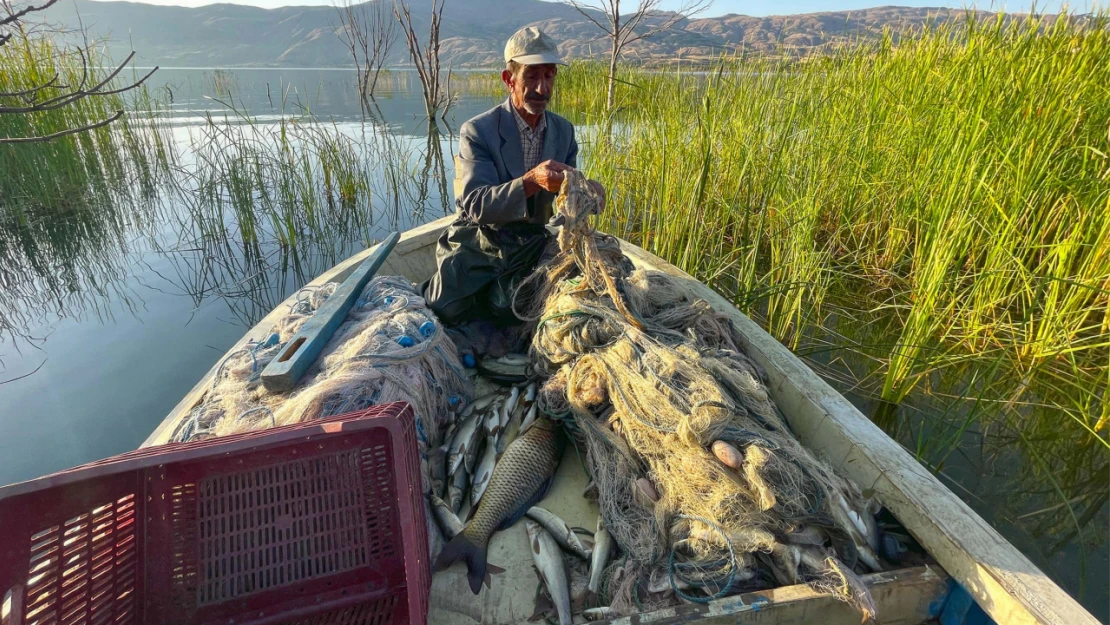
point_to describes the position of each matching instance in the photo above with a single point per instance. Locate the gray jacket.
(489, 188)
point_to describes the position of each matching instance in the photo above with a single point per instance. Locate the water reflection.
(116, 304)
(65, 247)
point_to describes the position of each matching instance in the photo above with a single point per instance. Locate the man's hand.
(547, 175)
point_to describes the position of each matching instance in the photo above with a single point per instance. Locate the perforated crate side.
(73, 555)
(311, 523)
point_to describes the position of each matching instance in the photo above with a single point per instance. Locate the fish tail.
(462, 547)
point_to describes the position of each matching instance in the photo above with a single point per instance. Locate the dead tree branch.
(62, 133)
(425, 57)
(50, 95)
(369, 32)
(622, 30)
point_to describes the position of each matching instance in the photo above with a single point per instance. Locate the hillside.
(473, 33)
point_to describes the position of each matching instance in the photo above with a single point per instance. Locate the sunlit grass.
(953, 189)
(73, 169)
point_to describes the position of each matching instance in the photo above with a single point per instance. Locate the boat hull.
(1010, 588)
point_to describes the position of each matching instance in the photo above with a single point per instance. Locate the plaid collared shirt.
(531, 141)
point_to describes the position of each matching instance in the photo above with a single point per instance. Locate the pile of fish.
(495, 462)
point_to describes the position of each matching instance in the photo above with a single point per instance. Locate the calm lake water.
(117, 328)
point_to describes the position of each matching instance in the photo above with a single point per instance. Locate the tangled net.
(700, 480)
(390, 348)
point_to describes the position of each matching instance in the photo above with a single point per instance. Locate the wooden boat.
(1002, 581)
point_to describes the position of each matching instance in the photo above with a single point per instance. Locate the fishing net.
(699, 478)
(390, 348)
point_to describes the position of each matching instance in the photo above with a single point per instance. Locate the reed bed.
(81, 167)
(68, 206)
(928, 222)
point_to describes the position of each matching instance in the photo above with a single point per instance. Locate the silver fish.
(786, 559)
(510, 431)
(603, 544)
(529, 418)
(480, 404)
(448, 522)
(549, 562)
(599, 614)
(483, 471)
(437, 467)
(493, 421)
(475, 451)
(510, 406)
(850, 521)
(448, 432)
(806, 535)
(518, 481)
(461, 443)
(530, 393)
(559, 530)
(456, 489)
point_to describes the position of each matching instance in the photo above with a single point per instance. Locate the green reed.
(77, 168)
(68, 206)
(272, 202)
(952, 189)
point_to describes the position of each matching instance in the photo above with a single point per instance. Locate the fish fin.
(491, 570)
(462, 548)
(511, 520)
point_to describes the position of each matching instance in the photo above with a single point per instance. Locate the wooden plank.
(421, 238)
(284, 371)
(903, 597)
(1010, 588)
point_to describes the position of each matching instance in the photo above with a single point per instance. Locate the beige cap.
(529, 46)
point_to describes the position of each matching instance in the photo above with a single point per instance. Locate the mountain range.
(473, 32)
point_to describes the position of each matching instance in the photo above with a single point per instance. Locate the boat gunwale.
(1003, 581)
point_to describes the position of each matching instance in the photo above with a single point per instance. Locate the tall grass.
(81, 167)
(274, 197)
(903, 212)
(67, 206)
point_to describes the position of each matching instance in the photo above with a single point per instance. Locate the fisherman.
(508, 170)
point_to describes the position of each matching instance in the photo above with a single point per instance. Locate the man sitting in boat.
(508, 170)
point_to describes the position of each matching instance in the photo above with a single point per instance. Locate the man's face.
(532, 86)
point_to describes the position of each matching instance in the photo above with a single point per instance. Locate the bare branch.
(686, 11)
(64, 95)
(581, 8)
(15, 16)
(426, 57)
(30, 93)
(70, 97)
(621, 34)
(369, 32)
(62, 133)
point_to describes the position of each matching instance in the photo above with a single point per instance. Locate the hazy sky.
(758, 7)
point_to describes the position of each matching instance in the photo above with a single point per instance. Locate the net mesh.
(390, 348)
(700, 480)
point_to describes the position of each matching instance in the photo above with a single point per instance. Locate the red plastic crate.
(316, 523)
